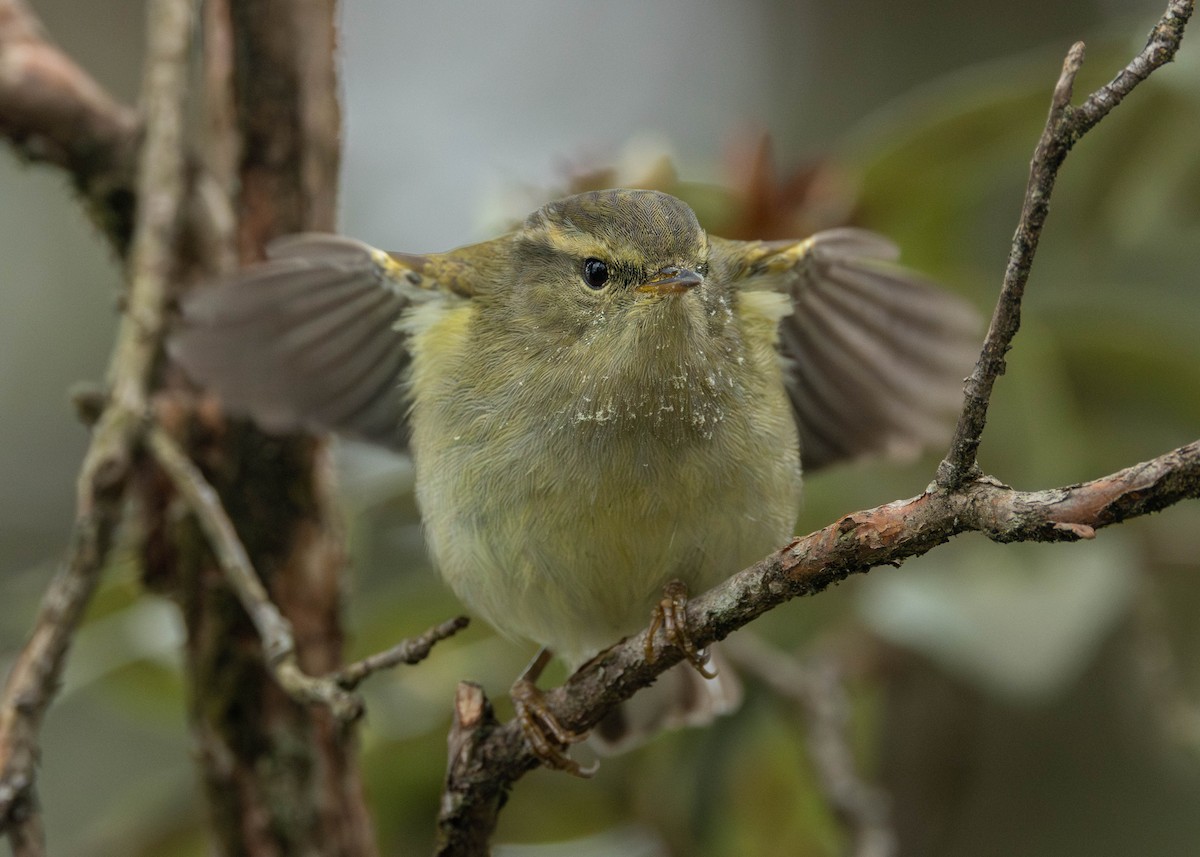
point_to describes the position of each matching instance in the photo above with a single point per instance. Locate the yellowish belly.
(568, 542)
(559, 516)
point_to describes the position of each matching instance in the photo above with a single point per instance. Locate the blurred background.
(1034, 700)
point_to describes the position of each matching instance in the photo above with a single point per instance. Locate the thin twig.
(410, 651)
(274, 630)
(34, 679)
(1064, 127)
(817, 687)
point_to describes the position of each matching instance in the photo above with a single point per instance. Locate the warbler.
(599, 403)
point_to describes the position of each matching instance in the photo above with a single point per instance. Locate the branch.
(275, 631)
(34, 679)
(487, 758)
(1064, 127)
(53, 112)
(272, 111)
(410, 651)
(886, 535)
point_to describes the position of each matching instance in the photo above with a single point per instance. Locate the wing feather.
(308, 339)
(875, 355)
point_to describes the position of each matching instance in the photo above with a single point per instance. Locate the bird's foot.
(547, 738)
(671, 615)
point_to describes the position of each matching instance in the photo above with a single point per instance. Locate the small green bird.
(604, 401)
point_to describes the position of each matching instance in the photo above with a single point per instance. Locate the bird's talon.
(671, 615)
(547, 738)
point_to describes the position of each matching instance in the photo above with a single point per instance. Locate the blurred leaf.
(1024, 624)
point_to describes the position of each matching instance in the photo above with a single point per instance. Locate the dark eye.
(595, 273)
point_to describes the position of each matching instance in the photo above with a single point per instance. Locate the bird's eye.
(595, 273)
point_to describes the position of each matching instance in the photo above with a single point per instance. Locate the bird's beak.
(671, 281)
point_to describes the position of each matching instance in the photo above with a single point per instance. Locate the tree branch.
(885, 535)
(410, 651)
(274, 630)
(273, 68)
(34, 679)
(1064, 127)
(488, 758)
(53, 112)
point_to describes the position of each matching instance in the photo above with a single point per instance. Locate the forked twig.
(490, 758)
(34, 678)
(1064, 127)
(274, 630)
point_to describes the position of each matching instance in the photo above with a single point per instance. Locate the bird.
(602, 405)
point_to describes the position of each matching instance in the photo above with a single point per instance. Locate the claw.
(547, 738)
(671, 615)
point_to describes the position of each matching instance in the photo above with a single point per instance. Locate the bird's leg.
(546, 736)
(670, 614)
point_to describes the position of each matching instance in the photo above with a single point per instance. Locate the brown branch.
(410, 651)
(274, 630)
(53, 112)
(816, 687)
(475, 819)
(481, 774)
(277, 92)
(490, 758)
(33, 681)
(1064, 127)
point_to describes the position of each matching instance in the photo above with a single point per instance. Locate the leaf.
(1023, 624)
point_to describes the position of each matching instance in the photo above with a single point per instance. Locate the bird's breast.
(558, 500)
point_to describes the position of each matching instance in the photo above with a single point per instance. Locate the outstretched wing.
(308, 339)
(876, 355)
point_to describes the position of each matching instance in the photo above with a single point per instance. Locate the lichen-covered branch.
(1064, 127)
(887, 535)
(34, 679)
(488, 757)
(274, 630)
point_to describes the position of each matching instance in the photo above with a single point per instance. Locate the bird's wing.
(308, 339)
(876, 356)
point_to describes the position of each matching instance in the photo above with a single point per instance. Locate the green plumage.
(599, 402)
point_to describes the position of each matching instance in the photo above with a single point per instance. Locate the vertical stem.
(281, 777)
